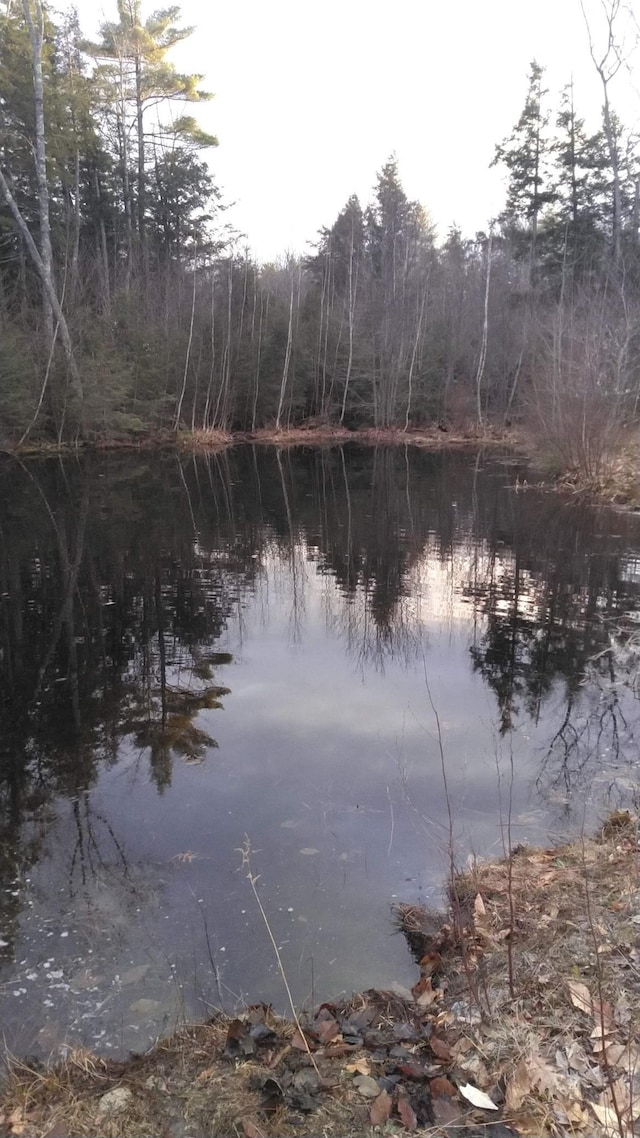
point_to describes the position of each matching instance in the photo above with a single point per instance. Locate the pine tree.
(524, 154)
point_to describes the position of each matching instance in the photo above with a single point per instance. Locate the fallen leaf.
(17, 1121)
(607, 1117)
(251, 1130)
(543, 1076)
(380, 1109)
(360, 1067)
(424, 993)
(430, 963)
(407, 1113)
(272, 1061)
(441, 1049)
(338, 1050)
(299, 1042)
(478, 906)
(613, 1053)
(529, 1124)
(475, 1066)
(576, 1114)
(239, 1043)
(442, 1088)
(476, 1097)
(206, 1074)
(580, 996)
(518, 1087)
(445, 1110)
(327, 1030)
(502, 935)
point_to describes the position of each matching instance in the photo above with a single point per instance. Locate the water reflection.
(192, 649)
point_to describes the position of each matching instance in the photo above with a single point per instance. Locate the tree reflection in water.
(120, 574)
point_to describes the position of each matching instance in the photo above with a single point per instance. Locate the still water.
(198, 655)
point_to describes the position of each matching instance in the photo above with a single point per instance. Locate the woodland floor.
(524, 1019)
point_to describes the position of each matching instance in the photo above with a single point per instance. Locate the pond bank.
(524, 1019)
(435, 437)
(612, 480)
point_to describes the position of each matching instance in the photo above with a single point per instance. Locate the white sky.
(311, 98)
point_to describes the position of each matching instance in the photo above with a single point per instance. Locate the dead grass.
(204, 440)
(559, 1055)
(434, 438)
(616, 481)
(184, 1080)
(566, 1049)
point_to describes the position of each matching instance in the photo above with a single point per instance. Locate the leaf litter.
(524, 1020)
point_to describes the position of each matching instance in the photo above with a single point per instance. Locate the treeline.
(127, 305)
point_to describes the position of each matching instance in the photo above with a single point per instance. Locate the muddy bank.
(436, 437)
(524, 1019)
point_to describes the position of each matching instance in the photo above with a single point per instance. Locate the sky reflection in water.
(197, 653)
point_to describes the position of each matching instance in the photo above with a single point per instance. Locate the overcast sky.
(311, 98)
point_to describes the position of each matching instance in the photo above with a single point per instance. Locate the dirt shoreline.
(437, 437)
(616, 481)
(524, 1019)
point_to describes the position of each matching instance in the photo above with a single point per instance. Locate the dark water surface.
(199, 652)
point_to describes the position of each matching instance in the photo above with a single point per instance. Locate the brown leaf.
(430, 963)
(237, 1030)
(445, 1110)
(380, 1109)
(543, 1075)
(580, 996)
(407, 1114)
(276, 1056)
(338, 1050)
(298, 1041)
(529, 1124)
(239, 1043)
(442, 1088)
(251, 1130)
(478, 906)
(424, 993)
(518, 1087)
(576, 1114)
(327, 1029)
(441, 1049)
(607, 1117)
(617, 1055)
(206, 1074)
(360, 1067)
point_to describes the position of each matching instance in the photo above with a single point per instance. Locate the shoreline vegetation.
(524, 1019)
(131, 309)
(615, 479)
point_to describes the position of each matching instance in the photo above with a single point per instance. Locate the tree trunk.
(51, 295)
(36, 34)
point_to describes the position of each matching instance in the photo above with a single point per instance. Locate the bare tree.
(34, 18)
(607, 64)
(50, 292)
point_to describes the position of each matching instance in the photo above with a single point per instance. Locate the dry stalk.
(245, 852)
(507, 849)
(601, 995)
(458, 922)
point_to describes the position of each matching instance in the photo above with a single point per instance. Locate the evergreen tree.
(524, 154)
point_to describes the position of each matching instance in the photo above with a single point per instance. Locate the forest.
(130, 307)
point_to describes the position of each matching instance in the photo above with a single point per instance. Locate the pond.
(229, 665)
